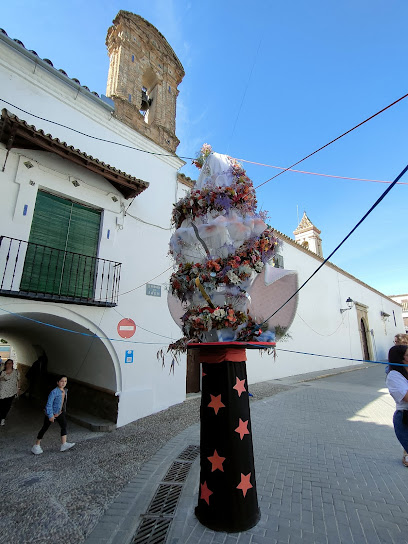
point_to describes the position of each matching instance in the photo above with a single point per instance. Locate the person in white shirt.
(397, 383)
(9, 388)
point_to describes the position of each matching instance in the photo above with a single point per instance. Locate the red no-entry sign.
(126, 328)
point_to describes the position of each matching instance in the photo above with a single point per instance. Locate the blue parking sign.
(129, 356)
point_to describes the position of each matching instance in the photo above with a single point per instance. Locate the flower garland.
(215, 272)
(200, 319)
(232, 270)
(239, 196)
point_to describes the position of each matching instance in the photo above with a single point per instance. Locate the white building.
(85, 225)
(58, 191)
(403, 300)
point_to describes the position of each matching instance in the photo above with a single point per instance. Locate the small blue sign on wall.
(129, 356)
(153, 290)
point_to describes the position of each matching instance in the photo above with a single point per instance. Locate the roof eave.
(16, 133)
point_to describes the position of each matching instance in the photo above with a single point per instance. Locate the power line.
(341, 358)
(341, 243)
(78, 332)
(332, 141)
(146, 282)
(245, 91)
(290, 168)
(143, 329)
(93, 137)
(273, 177)
(319, 174)
(159, 343)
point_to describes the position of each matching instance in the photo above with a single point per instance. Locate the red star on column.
(216, 461)
(239, 386)
(245, 484)
(216, 403)
(205, 493)
(242, 428)
(203, 374)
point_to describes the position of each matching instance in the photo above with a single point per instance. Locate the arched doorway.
(364, 341)
(66, 338)
(364, 330)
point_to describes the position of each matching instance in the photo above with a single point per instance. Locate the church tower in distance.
(144, 74)
(308, 236)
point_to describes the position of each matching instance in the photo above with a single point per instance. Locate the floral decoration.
(239, 196)
(233, 270)
(235, 199)
(204, 152)
(199, 319)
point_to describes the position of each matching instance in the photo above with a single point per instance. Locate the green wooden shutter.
(70, 234)
(80, 260)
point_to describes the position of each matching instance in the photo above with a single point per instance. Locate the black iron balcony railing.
(35, 271)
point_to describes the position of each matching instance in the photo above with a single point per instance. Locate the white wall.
(138, 238)
(320, 328)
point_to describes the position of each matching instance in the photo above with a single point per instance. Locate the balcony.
(39, 272)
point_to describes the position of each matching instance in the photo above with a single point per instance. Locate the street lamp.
(349, 303)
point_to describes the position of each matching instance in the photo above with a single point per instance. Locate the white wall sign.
(153, 290)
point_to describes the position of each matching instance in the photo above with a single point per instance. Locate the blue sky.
(271, 82)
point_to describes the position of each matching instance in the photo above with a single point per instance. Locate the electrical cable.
(146, 222)
(332, 141)
(78, 332)
(94, 137)
(90, 345)
(341, 243)
(320, 334)
(159, 343)
(143, 329)
(290, 168)
(280, 173)
(319, 174)
(342, 358)
(245, 91)
(146, 282)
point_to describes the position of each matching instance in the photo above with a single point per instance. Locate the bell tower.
(144, 73)
(308, 236)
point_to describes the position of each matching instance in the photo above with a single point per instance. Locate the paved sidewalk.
(328, 470)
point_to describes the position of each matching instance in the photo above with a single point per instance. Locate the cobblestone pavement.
(328, 470)
(59, 497)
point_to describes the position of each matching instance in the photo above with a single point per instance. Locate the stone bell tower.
(144, 74)
(308, 236)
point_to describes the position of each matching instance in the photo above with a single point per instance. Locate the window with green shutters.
(62, 249)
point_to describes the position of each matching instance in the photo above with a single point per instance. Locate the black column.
(227, 499)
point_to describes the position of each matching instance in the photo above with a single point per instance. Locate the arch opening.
(90, 363)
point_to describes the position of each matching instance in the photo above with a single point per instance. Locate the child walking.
(55, 410)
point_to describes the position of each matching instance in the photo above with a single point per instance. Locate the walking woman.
(9, 388)
(397, 383)
(55, 410)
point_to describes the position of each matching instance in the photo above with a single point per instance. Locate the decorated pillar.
(227, 498)
(223, 294)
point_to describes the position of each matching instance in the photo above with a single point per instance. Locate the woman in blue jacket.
(55, 410)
